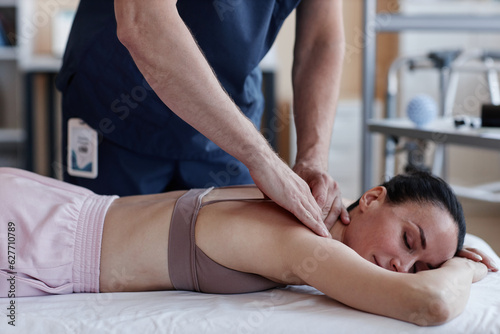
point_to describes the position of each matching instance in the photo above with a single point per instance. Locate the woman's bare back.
(134, 254)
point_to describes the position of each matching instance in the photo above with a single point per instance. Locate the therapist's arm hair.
(317, 68)
(166, 53)
(422, 187)
(172, 63)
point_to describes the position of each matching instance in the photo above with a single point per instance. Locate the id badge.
(82, 149)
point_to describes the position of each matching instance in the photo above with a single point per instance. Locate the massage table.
(294, 309)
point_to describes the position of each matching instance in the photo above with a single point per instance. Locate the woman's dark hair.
(422, 187)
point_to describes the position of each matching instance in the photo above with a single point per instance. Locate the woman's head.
(410, 223)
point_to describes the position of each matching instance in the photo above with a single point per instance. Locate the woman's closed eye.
(407, 244)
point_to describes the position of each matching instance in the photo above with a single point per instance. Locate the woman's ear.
(372, 198)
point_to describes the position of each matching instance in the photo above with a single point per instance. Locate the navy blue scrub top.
(116, 100)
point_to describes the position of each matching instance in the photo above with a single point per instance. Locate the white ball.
(422, 109)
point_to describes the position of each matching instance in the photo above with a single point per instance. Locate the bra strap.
(237, 199)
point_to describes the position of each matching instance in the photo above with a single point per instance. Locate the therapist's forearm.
(315, 101)
(170, 60)
(318, 59)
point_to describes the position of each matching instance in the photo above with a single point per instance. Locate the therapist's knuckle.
(295, 202)
(327, 209)
(336, 210)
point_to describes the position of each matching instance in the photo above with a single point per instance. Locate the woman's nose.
(400, 265)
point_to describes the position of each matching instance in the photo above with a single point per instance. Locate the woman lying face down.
(409, 224)
(232, 240)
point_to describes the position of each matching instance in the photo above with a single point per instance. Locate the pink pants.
(50, 235)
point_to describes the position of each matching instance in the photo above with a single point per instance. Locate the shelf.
(443, 131)
(440, 131)
(11, 137)
(8, 53)
(468, 23)
(8, 3)
(12, 147)
(40, 63)
(488, 193)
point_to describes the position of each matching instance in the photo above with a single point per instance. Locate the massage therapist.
(162, 94)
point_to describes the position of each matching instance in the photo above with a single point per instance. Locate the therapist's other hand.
(325, 191)
(277, 181)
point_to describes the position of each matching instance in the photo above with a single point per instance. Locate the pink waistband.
(88, 243)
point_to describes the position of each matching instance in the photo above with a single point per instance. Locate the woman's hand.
(478, 256)
(479, 270)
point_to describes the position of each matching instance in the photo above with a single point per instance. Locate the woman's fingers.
(478, 256)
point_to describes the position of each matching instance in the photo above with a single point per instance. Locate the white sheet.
(291, 310)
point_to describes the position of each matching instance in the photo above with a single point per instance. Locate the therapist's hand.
(277, 181)
(325, 191)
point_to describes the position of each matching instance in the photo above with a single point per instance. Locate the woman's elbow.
(435, 308)
(436, 312)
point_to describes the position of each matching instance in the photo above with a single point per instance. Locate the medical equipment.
(422, 109)
(449, 64)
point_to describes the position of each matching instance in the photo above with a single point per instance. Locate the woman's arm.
(426, 298)
(262, 239)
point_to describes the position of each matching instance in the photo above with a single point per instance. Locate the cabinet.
(28, 99)
(11, 133)
(392, 127)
